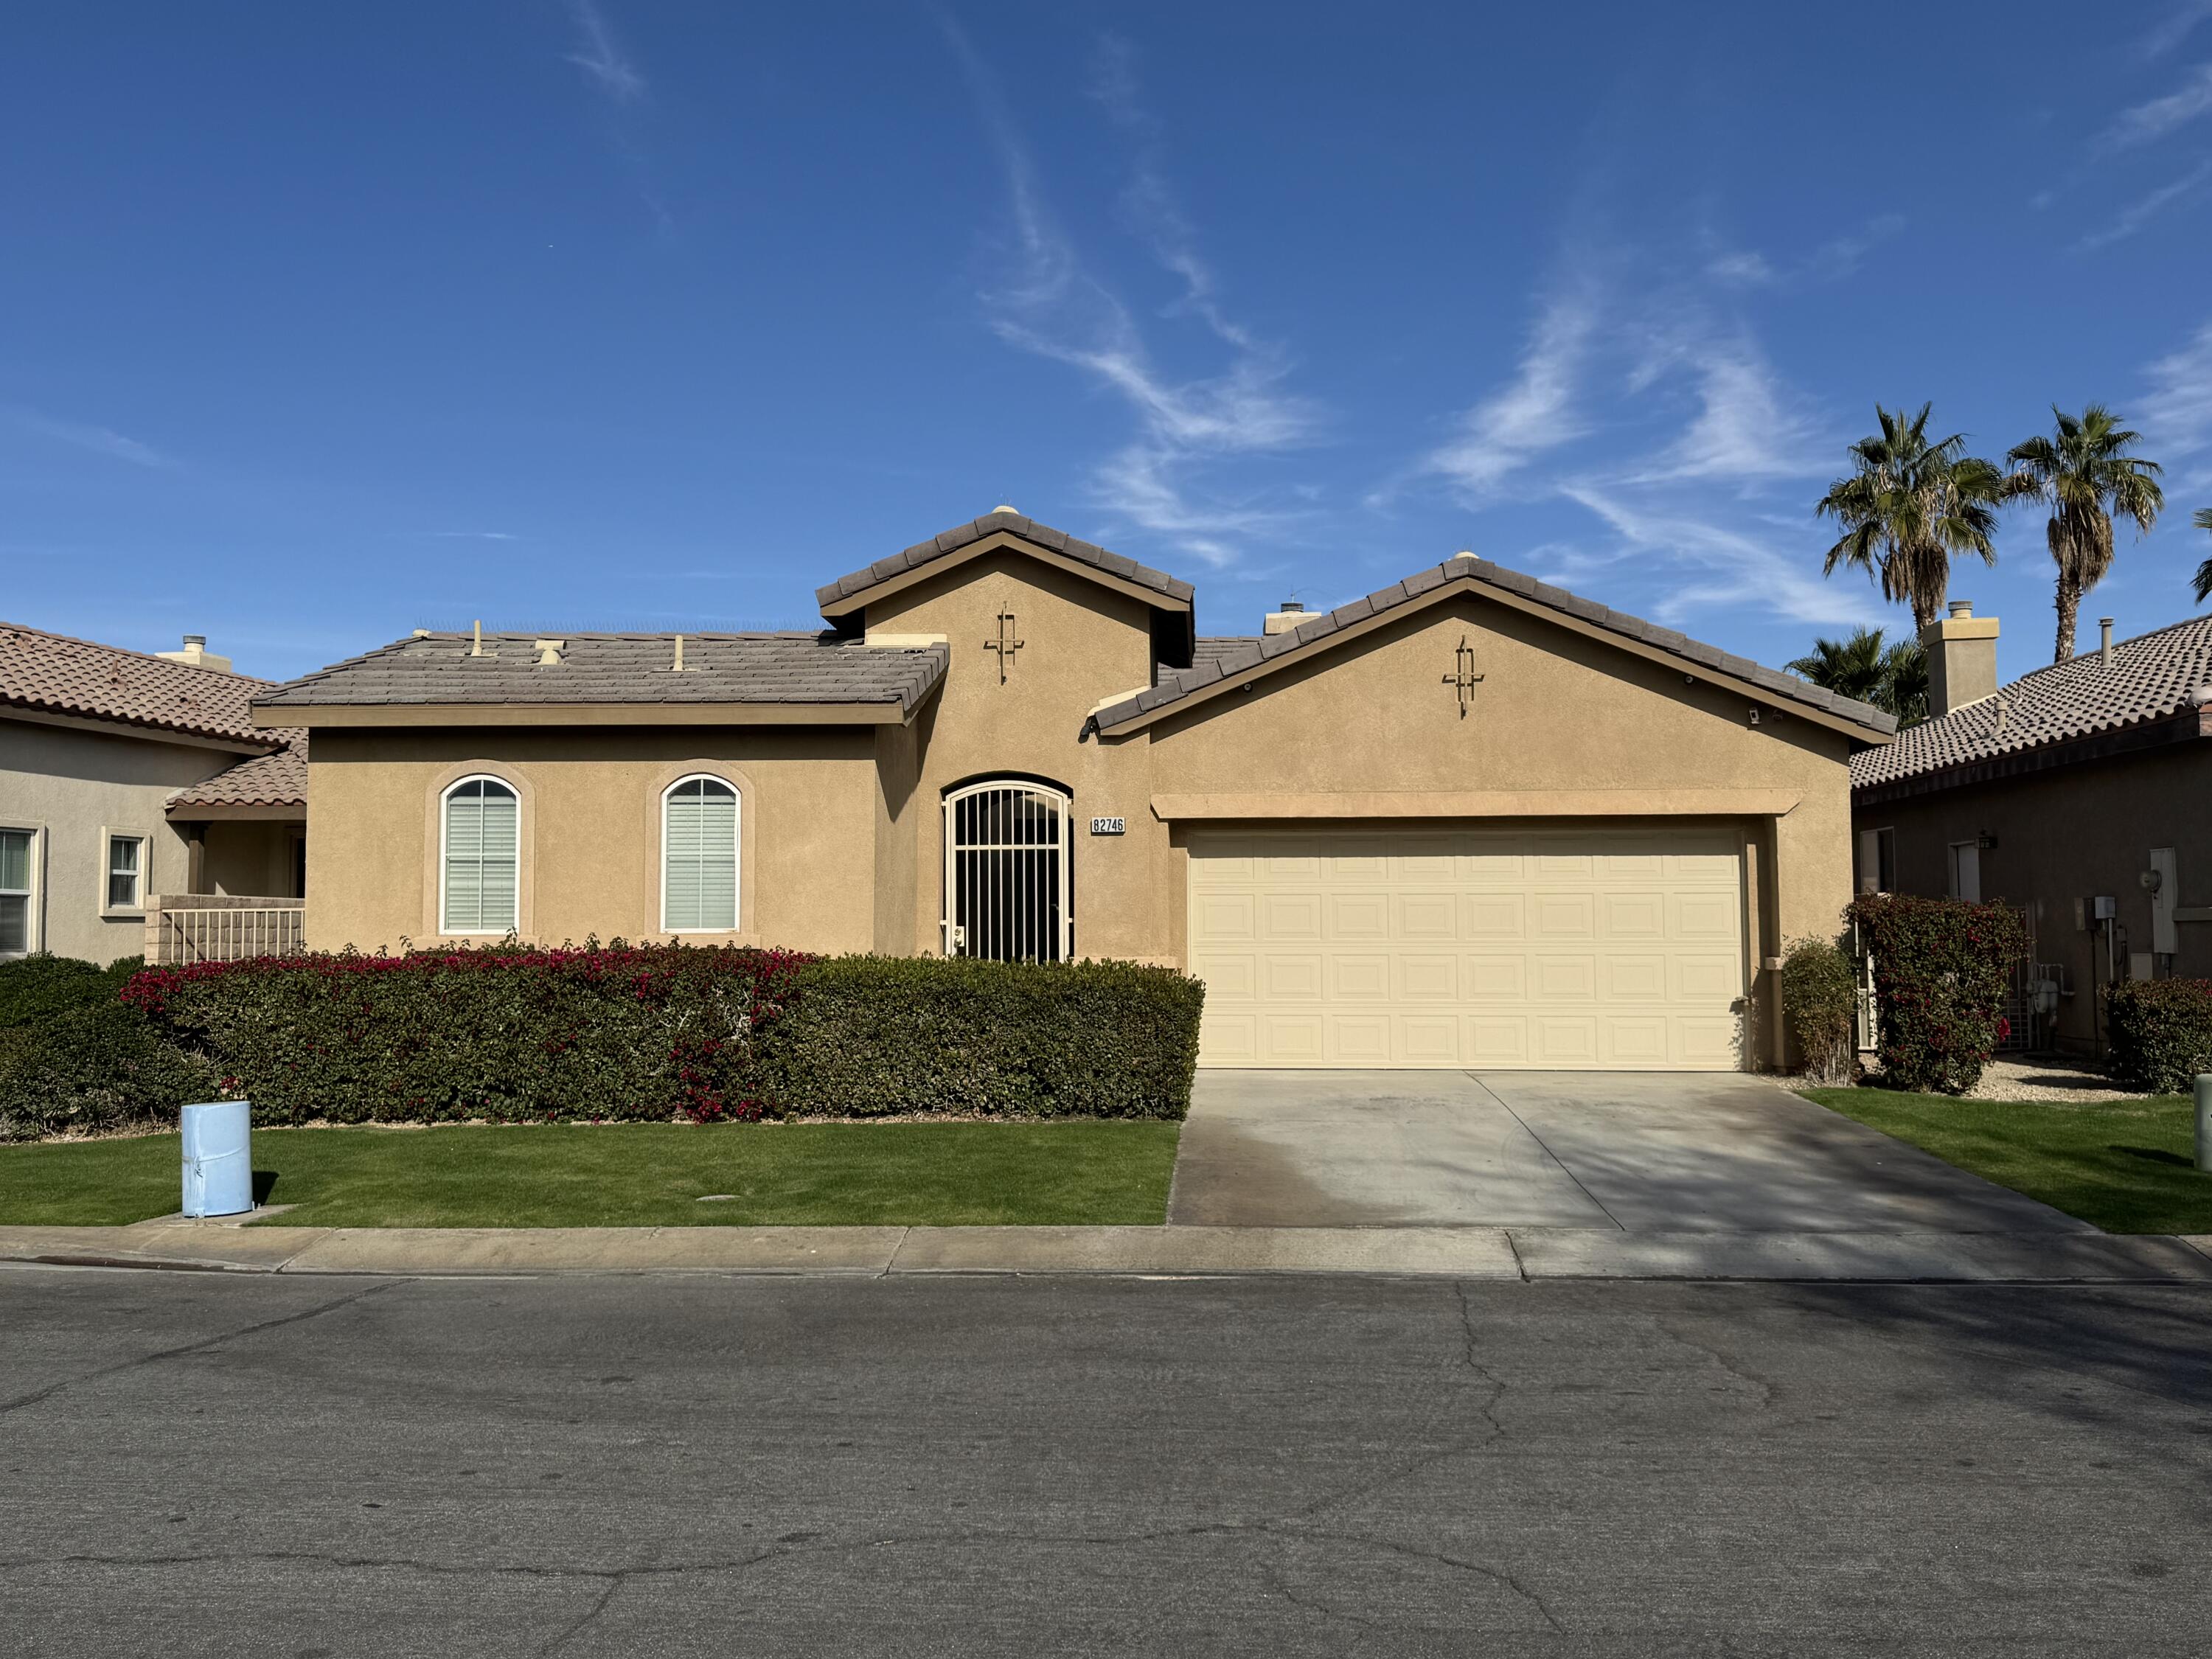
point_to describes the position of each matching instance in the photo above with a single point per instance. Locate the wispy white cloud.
(473, 535)
(2140, 212)
(1743, 269)
(1043, 299)
(2176, 413)
(1830, 261)
(2154, 120)
(2178, 25)
(100, 440)
(1535, 412)
(1735, 562)
(601, 57)
(1749, 428)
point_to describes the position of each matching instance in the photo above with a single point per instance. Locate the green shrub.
(1820, 995)
(75, 1060)
(652, 1032)
(2161, 1031)
(1939, 972)
(867, 1036)
(507, 1034)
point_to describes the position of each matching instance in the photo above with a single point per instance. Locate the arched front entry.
(1009, 888)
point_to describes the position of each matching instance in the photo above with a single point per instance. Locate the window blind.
(699, 857)
(483, 835)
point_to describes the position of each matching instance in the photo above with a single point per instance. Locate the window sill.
(122, 916)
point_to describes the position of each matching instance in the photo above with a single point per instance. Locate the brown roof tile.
(2151, 676)
(622, 668)
(56, 674)
(277, 780)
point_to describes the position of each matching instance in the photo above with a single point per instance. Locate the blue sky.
(323, 323)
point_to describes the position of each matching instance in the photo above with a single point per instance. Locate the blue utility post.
(219, 1157)
(2204, 1120)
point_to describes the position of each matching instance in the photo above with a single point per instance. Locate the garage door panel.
(1475, 947)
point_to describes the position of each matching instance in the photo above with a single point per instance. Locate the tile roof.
(1209, 669)
(2151, 676)
(277, 780)
(837, 599)
(617, 668)
(56, 674)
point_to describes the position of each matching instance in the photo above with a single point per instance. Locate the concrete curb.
(1491, 1253)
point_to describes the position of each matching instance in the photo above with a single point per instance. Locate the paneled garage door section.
(1615, 952)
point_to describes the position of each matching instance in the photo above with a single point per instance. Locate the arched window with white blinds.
(479, 866)
(699, 857)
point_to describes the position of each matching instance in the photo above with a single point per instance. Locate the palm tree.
(1908, 506)
(2203, 521)
(1864, 667)
(2088, 478)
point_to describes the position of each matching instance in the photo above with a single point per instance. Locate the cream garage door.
(1476, 948)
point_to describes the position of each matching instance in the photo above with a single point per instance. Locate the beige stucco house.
(2077, 792)
(128, 781)
(1468, 820)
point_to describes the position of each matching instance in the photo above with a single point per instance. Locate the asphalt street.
(195, 1463)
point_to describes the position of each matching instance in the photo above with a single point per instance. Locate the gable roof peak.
(849, 593)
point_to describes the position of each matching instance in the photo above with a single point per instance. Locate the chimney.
(2105, 636)
(1962, 659)
(1290, 616)
(196, 654)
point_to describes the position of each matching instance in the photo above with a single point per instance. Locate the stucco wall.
(249, 858)
(591, 835)
(2074, 832)
(68, 784)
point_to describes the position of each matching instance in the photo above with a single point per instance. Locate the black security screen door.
(1006, 887)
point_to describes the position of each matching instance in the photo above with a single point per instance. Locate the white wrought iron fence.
(205, 928)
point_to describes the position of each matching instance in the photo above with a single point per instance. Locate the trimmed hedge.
(74, 1060)
(2161, 1031)
(1940, 973)
(869, 1036)
(655, 1032)
(615, 1032)
(1819, 996)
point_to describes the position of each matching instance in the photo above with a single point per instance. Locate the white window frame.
(954, 945)
(107, 839)
(737, 853)
(33, 911)
(445, 801)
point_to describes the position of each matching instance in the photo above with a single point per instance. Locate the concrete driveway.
(1629, 1152)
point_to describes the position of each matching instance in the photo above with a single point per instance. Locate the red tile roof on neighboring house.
(277, 780)
(54, 674)
(2152, 677)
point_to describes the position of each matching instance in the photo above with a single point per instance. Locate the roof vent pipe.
(2105, 631)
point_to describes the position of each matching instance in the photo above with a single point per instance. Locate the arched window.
(479, 866)
(699, 857)
(1009, 891)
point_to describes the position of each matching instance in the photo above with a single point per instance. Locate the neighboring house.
(1469, 820)
(2077, 793)
(126, 779)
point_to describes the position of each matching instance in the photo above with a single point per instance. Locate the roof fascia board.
(236, 811)
(999, 541)
(1459, 585)
(1484, 803)
(118, 727)
(2186, 726)
(587, 713)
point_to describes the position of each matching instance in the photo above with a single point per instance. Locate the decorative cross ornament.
(1005, 645)
(1463, 678)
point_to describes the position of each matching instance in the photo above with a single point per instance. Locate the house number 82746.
(1109, 826)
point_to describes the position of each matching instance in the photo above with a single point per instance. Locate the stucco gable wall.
(1082, 643)
(1554, 712)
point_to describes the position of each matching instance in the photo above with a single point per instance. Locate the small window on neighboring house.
(699, 857)
(481, 863)
(14, 892)
(126, 871)
(1966, 870)
(1885, 861)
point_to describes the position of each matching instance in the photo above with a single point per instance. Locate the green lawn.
(2126, 1165)
(635, 1175)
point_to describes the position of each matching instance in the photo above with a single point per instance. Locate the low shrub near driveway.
(74, 1060)
(868, 1037)
(2161, 1031)
(653, 1032)
(1940, 971)
(1819, 997)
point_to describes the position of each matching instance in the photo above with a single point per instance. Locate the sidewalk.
(1495, 1253)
